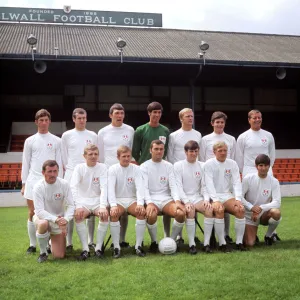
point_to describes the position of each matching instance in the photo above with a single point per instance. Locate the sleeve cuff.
(140, 203)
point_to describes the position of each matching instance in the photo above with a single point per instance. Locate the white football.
(167, 246)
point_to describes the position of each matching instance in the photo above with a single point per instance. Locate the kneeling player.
(161, 194)
(262, 200)
(50, 196)
(223, 184)
(126, 195)
(190, 182)
(89, 188)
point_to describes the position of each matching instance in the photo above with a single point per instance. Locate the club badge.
(197, 174)
(49, 146)
(264, 141)
(130, 180)
(227, 172)
(162, 138)
(96, 180)
(125, 137)
(163, 180)
(88, 142)
(57, 196)
(266, 192)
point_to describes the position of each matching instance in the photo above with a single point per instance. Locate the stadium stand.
(287, 170)
(17, 143)
(10, 175)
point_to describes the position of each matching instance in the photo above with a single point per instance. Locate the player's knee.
(275, 214)
(180, 216)
(58, 255)
(249, 243)
(208, 213)
(240, 213)
(43, 226)
(151, 220)
(114, 219)
(190, 215)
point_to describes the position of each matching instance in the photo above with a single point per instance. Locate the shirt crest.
(130, 180)
(163, 180)
(266, 192)
(58, 196)
(49, 146)
(96, 180)
(162, 138)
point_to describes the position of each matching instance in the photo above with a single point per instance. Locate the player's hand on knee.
(218, 207)
(103, 213)
(179, 206)
(63, 229)
(140, 210)
(239, 206)
(207, 205)
(254, 217)
(150, 210)
(189, 207)
(114, 211)
(256, 209)
(79, 214)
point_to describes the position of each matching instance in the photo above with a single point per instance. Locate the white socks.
(82, 233)
(31, 233)
(219, 228)
(227, 223)
(43, 239)
(115, 233)
(152, 229)
(272, 226)
(176, 228)
(70, 232)
(167, 225)
(190, 228)
(91, 228)
(101, 233)
(239, 226)
(208, 227)
(140, 227)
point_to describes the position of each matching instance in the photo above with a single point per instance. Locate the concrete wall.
(29, 128)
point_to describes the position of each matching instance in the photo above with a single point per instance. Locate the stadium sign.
(69, 16)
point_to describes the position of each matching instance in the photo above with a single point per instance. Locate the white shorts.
(195, 200)
(223, 197)
(249, 221)
(161, 204)
(53, 227)
(90, 208)
(29, 185)
(125, 202)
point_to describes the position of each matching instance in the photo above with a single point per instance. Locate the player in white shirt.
(253, 142)
(180, 137)
(191, 187)
(110, 138)
(126, 195)
(51, 196)
(177, 140)
(161, 193)
(218, 121)
(38, 148)
(262, 200)
(89, 189)
(73, 143)
(223, 184)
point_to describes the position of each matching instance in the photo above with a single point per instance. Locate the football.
(167, 246)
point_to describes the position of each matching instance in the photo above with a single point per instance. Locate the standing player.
(51, 195)
(73, 143)
(253, 142)
(179, 138)
(126, 195)
(161, 193)
(110, 138)
(89, 189)
(190, 182)
(143, 137)
(262, 200)
(223, 183)
(218, 121)
(38, 148)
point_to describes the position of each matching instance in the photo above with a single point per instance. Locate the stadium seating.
(287, 169)
(10, 175)
(17, 143)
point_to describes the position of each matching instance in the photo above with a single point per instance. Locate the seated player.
(89, 189)
(51, 195)
(126, 195)
(190, 183)
(161, 194)
(262, 200)
(223, 184)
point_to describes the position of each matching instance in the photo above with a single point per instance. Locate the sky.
(256, 16)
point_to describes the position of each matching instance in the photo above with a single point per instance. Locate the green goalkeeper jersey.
(143, 137)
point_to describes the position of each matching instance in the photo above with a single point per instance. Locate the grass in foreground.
(262, 273)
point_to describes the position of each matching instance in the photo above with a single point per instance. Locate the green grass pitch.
(262, 273)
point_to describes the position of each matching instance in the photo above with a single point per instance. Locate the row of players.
(156, 187)
(43, 146)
